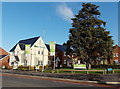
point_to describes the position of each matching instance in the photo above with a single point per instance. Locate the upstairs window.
(38, 52)
(64, 53)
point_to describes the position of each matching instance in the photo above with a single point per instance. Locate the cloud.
(65, 12)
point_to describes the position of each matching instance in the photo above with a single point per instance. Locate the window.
(64, 53)
(40, 63)
(116, 62)
(38, 52)
(49, 63)
(65, 61)
(17, 52)
(42, 53)
(25, 62)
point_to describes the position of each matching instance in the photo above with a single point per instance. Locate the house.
(115, 60)
(29, 52)
(116, 55)
(4, 58)
(60, 56)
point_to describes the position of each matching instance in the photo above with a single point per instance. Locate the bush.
(106, 66)
(47, 67)
(24, 68)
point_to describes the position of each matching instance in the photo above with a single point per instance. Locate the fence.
(87, 71)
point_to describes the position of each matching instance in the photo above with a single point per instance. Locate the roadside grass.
(90, 72)
(48, 71)
(69, 70)
(117, 71)
(81, 72)
(98, 69)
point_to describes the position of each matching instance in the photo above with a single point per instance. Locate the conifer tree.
(88, 39)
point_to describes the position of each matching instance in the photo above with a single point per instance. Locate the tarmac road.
(12, 80)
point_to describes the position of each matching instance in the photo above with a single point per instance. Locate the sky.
(50, 20)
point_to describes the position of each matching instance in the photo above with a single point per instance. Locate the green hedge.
(106, 66)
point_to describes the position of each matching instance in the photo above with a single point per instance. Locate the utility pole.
(30, 60)
(43, 60)
(43, 50)
(54, 63)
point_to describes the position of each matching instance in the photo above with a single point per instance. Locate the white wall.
(34, 56)
(41, 47)
(15, 53)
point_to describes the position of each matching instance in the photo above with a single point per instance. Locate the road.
(11, 80)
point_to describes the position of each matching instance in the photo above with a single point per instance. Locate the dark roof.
(48, 47)
(26, 41)
(2, 56)
(13, 48)
(61, 47)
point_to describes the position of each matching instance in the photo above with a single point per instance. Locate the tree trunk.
(108, 60)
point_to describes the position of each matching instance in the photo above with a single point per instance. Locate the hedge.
(106, 66)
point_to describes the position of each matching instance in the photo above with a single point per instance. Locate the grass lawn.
(69, 70)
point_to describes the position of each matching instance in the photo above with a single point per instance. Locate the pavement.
(48, 77)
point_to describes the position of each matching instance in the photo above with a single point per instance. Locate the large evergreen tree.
(88, 38)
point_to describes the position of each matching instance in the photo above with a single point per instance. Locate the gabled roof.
(61, 47)
(116, 49)
(26, 41)
(3, 52)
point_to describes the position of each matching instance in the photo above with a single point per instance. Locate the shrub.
(23, 67)
(106, 66)
(47, 67)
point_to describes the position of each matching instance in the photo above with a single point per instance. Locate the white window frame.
(65, 61)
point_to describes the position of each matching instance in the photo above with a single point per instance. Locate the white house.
(38, 53)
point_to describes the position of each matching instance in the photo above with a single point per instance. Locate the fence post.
(103, 72)
(57, 71)
(72, 71)
(87, 72)
(113, 71)
(53, 71)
